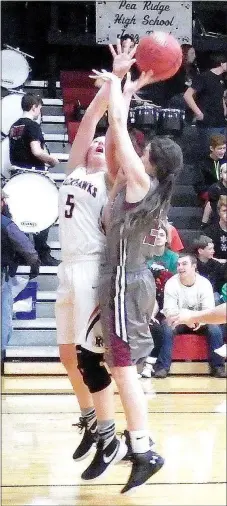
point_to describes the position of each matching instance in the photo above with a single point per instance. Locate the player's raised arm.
(85, 134)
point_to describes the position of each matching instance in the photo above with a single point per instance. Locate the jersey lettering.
(84, 185)
(71, 203)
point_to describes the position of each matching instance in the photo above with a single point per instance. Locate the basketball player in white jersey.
(81, 199)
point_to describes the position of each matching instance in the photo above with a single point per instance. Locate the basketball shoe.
(107, 453)
(89, 438)
(144, 465)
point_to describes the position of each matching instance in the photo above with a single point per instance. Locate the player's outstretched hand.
(123, 58)
(131, 87)
(105, 76)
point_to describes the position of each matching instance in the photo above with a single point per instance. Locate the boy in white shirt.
(188, 290)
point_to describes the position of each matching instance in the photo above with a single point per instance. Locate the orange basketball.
(161, 53)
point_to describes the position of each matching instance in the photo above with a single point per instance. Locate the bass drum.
(11, 111)
(15, 69)
(33, 200)
(6, 165)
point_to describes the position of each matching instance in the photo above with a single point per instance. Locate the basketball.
(159, 52)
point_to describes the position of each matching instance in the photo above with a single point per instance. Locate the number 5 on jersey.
(70, 203)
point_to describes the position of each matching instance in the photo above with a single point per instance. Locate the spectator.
(174, 240)
(16, 249)
(176, 86)
(216, 191)
(207, 266)
(27, 152)
(218, 231)
(208, 171)
(210, 109)
(189, 290)
(163, 254)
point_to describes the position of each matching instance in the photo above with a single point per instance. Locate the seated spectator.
(218, 232)
(16, 249)
(174, 240)
(207, 266)
(163, 254)
(208, 171)
(189, 290)
(215, 191)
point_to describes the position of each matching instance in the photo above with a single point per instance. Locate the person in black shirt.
(26, 138)
(16, 249)
(207, 266)
(27, 152)
(218, 189)
(207, 170)
(176, 86)
(210, 109)
(218, 232)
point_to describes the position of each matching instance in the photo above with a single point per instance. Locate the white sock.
(140, 441)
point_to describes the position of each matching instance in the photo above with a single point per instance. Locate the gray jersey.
(124, 235)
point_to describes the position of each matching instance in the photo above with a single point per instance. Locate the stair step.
(46, 296)
(53, 119)
(185, 217)
(32, 351)
(56, 137)
(52, 110)
(57, 146)
(54, 129)
(39, 323)
(52, 101)
(44, 269)
(40, 84)
(33, 336)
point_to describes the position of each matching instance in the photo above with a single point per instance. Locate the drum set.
(149, 117)
(32, 195)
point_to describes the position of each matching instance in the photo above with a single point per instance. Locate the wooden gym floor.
(187, 421)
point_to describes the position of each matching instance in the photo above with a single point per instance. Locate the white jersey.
(81, 199)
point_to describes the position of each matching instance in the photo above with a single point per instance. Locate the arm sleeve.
(207, 295)
(33, 132)
(22, 244)
(213, 193)
(170, 305)
(198, 83)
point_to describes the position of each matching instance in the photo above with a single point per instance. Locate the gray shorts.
(126, 303)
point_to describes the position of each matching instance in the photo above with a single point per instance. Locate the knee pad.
(91, 366)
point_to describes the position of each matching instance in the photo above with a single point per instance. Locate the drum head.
(11, 111)
(33, 201)
(15, 69)
(6, 165)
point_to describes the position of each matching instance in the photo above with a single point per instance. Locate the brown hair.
(201, 243)
(217, 140)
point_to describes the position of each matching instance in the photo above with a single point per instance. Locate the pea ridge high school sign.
(114, 19)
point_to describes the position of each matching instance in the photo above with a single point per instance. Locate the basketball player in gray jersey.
(127, 288)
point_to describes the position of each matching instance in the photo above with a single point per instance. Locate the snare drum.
(146, 115)
(33, 201)
(15, 69)
(11, 110)
(171, 120)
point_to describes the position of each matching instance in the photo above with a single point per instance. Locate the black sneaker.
(129, 453)
(143, 467)
(88, 441)
(106, 454)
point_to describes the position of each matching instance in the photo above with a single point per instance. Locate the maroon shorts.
(126, 303)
